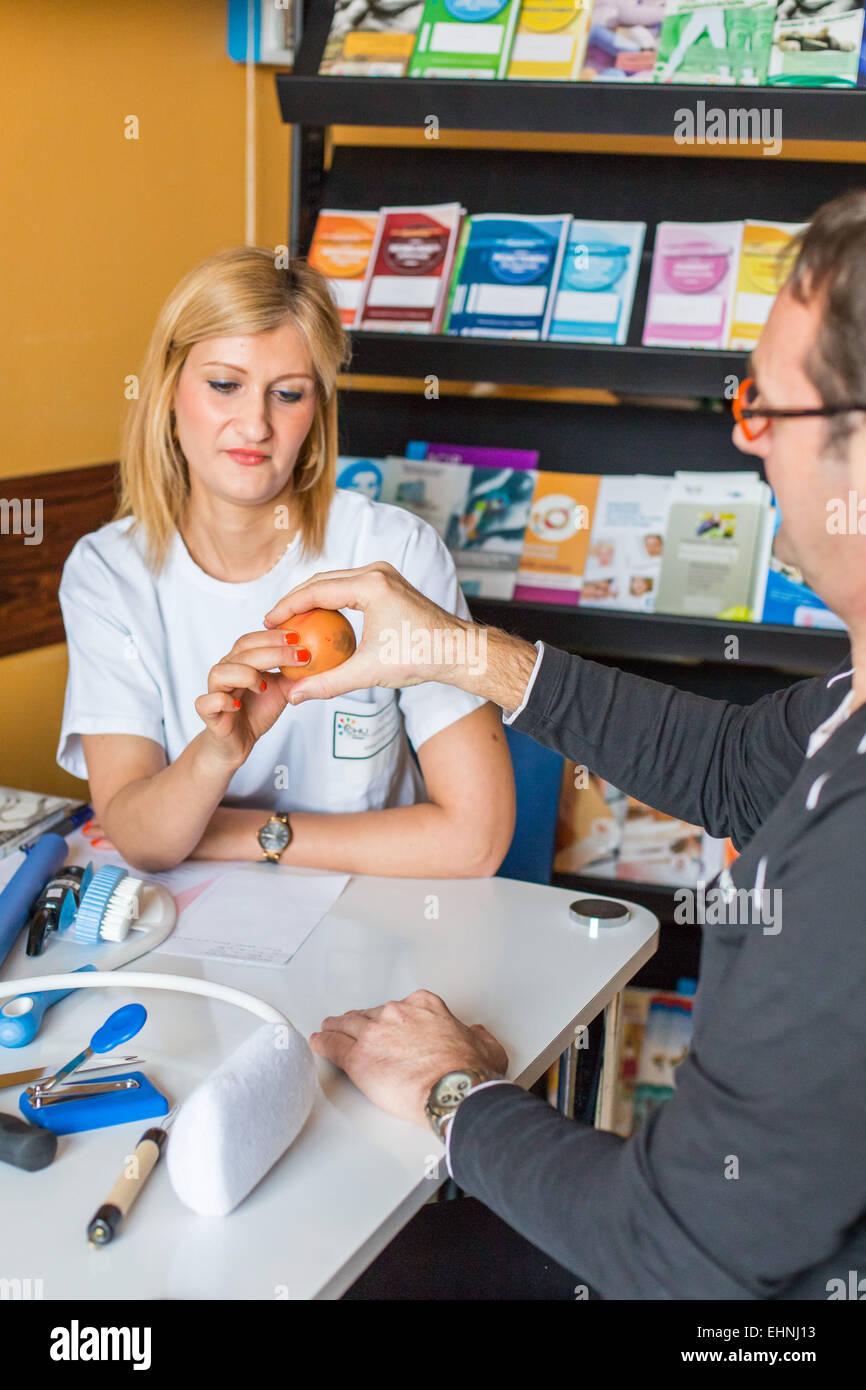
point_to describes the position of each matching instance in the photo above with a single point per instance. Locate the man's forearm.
(501, 670)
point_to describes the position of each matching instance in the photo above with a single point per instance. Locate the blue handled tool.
(20, 1017)
(47, 856)
(118, 1028)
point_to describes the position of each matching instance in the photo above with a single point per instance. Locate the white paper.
(227, 909)
(255, 914)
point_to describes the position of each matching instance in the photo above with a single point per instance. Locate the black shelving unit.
(642, 370)
(664, 637)
(593, 108)
(624, 438)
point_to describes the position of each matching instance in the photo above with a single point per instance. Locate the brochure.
(550, 39)
(475, 455)
(816, 44)
(692, 284)
(788, 598)
(717, 537)
(504, 284)
(722, 42)
(340, 249)
(410, 268)
(485, 536)
(623, 41)
(602, 833)
(595, 293)
(557, 538)
(464, 38)
(433, 491)
(359, 474)
(371, 40)
(766, 257)
(627, 543)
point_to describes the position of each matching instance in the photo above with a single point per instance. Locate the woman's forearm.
(417, 841)
(156, 822)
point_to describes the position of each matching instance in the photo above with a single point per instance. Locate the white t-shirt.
(140, 649)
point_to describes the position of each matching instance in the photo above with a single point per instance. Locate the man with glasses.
(750, 1181)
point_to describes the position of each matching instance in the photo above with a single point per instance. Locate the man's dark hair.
(831, 263)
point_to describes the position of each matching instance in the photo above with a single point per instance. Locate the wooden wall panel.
(72, 502)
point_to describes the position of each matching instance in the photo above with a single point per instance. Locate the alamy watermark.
(729, 906)
(739, 125)
(22, 516)
(438, 646)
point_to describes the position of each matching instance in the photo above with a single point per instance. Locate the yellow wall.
(95, 231)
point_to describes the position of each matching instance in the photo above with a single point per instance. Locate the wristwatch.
(447, 1094)
(275, 835)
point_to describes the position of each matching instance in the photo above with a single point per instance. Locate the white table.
(500, 952)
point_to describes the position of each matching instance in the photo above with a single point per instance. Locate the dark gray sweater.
(774, 1085)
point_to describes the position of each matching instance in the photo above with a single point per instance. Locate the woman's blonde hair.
(242, 290)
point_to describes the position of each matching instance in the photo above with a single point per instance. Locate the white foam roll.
(241, 1119)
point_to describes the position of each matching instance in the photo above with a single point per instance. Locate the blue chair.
(537, 778)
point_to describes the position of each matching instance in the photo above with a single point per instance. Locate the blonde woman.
(175, 709)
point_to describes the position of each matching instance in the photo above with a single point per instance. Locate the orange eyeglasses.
(745, 413)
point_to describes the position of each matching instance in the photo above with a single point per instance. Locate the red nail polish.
(86, 826)
(292, 637)
(96, 841)
(263, 686)
(237, 703)
(302, 654)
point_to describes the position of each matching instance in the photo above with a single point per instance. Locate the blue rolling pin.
(17, 898)
(20, 1017)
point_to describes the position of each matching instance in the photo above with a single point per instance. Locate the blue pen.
(68, 822)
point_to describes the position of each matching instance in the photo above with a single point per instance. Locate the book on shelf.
(476, 455)
(603, 833)
(623, 41)
(766, 256)
(724, 42)
(434, 491)
(788, 598)
(462, 38)
(504, 283)
(556, 542)
(340, 249)
(25, 815)
(594, 295)
(359, 473)
(367, 40)
(409, 270)
(485, 535)
(550, 40)
(816, 46)
(691, 287)
(716, 547)
(275, 31)
(626, 543)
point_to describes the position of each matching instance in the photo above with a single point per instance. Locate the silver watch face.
(452, 1088)
(274, 836)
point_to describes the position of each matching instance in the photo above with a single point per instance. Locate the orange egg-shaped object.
(327, 636)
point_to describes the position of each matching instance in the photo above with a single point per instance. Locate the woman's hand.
(406, 639)
(241, 704)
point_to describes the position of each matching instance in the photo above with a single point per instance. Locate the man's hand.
(388, 602)
(396, 1052)
(406, 639)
